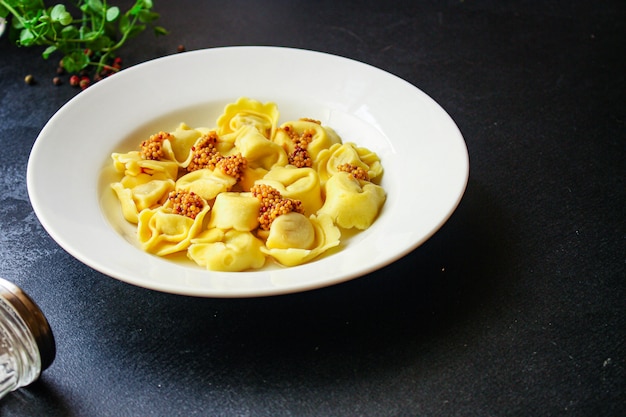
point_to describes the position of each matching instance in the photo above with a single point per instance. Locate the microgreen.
(87, 35)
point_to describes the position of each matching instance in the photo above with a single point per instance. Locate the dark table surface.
(516, 306)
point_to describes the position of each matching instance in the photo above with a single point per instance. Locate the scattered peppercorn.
(106, 71)
(186, 203)
(152, 148)
(273, 204)
(74, 80)
(117, 64)
(85, 77)
(181, 48)
(84, 82)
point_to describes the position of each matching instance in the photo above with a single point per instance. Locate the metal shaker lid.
(34, 319)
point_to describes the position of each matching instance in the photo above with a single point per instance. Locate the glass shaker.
(27, 345)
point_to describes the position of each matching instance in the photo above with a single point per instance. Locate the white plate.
(422, 151)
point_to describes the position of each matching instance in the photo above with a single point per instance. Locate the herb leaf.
(90, 37)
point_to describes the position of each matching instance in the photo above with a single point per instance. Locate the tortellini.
(238, 211)
(341, 154)
(163, 232)
(248, 191)
(230, 251)
(206, 183)
(317, 136)
(350, 203)
(310, 237)
(133, 164)
(246, 112)
(177, 144)
(141, 192)
(291, 230)
(298, 183)
(258, 150)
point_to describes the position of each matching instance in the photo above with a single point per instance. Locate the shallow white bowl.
(422, 151)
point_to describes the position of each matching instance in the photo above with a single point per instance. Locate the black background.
(515, 307)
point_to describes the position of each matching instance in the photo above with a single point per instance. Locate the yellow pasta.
(230, 251)
(141, 192)
(208, 184)
(325, 236)
(238, 211)
(248, 191)
(259, 150)
(305, 133)
(332, 159)
(351, 203)
(246, 112)
(177, 145)
(163, 232)
(133, 164)
(298, 183)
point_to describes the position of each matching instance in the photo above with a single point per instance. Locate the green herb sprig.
(87, 39)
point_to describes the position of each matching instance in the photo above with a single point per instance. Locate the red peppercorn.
(84, 83)
(74, 80)
(57, 81)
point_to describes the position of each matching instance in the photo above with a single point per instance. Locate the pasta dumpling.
(132, 163)
(206, 183)
(230, 251)
(296, 183)
(177, 146)
(306, 135)
(331, 160)
(352, 203)
(141, 192)
(161, 231)
(259, 151)
(291, 230)
(248, 112)
(310, 236)
(239, 211)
